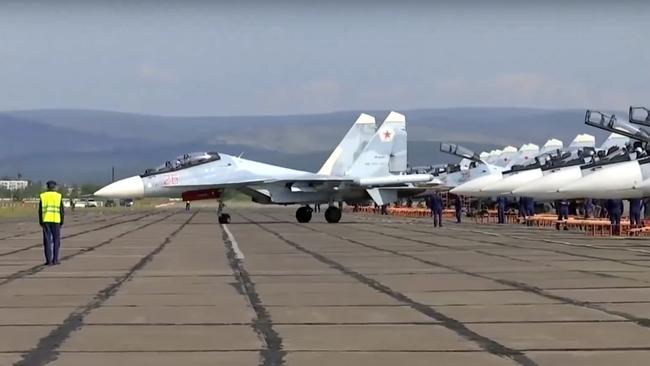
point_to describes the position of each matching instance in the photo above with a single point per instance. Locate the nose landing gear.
(224, 218)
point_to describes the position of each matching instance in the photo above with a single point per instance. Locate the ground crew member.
(188, 206)
(316, 207)
(615, 210)
(523, 208)
(501, 210)
(50, 217)
(646, 208)
(635, 213)
(530, 206)
(562, 213)
(458, 208)
(436, 209)
(384, 209)
(589, 208)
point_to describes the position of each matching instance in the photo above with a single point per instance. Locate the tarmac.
(166, 287)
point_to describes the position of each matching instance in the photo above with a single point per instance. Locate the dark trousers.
(437, 218)
(501, 215)
(635, 219)
(458, 214)
(615, 220)
(51, 241)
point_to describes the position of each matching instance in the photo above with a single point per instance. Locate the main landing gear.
(303, 214)
(333, 214)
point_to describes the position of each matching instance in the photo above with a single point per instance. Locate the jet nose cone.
(132, 187)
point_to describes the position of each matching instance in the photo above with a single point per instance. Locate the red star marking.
(386, 135)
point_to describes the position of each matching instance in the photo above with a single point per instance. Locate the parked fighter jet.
(474, 187)
(207, 175)
(560, 172)
(623, 172)
(553, 151)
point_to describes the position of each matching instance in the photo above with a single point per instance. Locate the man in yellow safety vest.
(50, 216)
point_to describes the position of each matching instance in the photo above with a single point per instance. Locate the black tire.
(303, 215)
(333, 215)
(224, 219)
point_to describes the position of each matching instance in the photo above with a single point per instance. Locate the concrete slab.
(141, 338)
(244, 358)
(170, 315)
(371, 338)
(347, 314)
(567, 335)
(591, 358)
(396, 358)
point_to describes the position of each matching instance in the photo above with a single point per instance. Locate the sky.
(293, 57)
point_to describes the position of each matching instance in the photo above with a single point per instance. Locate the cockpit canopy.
(183, 161)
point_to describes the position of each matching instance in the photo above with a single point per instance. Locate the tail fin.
(399, 153)
(374, 160)
(526, 154)
(352, 144)
(614, 139)
(551, 146)
(583, 140)
(507, 155)
(493, 156)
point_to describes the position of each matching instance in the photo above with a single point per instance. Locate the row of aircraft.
(617, 169)
(370, 165)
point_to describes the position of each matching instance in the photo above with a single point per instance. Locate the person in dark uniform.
(635, 213)
(562, 213)
(50, 217)
(188, 206)
(589, 208)
(646, 208)
(522, 208)
(384, 209)
(458, 208)
(316, 207)
(615, 210)
(501, 209)
(530, 206)
(436, 209)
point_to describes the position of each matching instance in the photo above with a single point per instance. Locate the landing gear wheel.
(303, 215)
(333, 215)
(224, 218)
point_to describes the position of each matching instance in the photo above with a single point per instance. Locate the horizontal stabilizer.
(382, 196)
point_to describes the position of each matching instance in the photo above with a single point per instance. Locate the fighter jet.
(623, 172)
(566, 169)
(552, 152)
(508, 158)
(207, 175)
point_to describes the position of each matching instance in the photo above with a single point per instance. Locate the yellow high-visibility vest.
(51, 207)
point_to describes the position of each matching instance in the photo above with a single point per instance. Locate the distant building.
(14, 185)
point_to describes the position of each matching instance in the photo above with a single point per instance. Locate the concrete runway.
(166, 287)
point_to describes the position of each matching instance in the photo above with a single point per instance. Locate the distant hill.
(82, 145)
